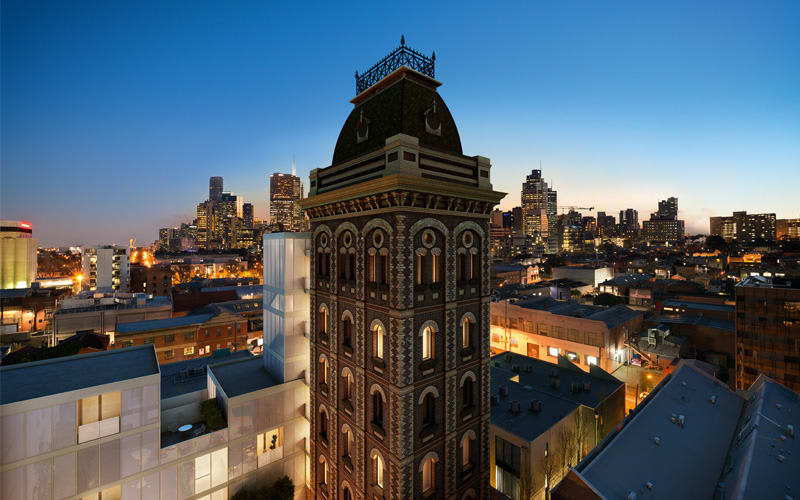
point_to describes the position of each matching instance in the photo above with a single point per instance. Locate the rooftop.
(701, 440)
(535, 383)
(190, 375)
(162, 324)
(611, 316)
(627, 280)
(719, 324)
(239, 377)
(38, 379)
(699, 305)
(776, 282)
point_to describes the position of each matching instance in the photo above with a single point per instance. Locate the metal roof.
(190, 375)
(38, 379)
(162, 324)
(239, 377)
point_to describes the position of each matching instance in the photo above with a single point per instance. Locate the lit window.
(552, 351)
(323, 370)
(466, 330)
(347, 383)
(98, 416)
(466, 452)
(435, 268)
(188, 351)
(269, 446)
(371, 268)
(428, 471)
(378, 472)
(427, 343)
(591, 360)
(377, 341)
(420, 268)
(323, 320)
(572, 356)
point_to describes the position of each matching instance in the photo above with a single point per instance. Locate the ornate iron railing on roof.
(401, 56)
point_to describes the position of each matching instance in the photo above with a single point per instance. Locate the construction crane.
(564, 208)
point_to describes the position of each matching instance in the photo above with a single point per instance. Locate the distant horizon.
(115, 115)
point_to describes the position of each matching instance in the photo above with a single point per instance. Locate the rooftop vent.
(649, 485)
(681, 420)
(515, 407)
(713, 399)
(536, 406)
(780, 458)
(504, 390)
(778, 406)
(632, 495)
(527, 387)
(683, 384)
(657, 440)
(495, 400)
(790, 430)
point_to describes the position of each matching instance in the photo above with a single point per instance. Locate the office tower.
(744, 227)
(206, 229)
(668, 209)
(629, 219)
(215, 188)
(787, 228)
(17, 254)
(106, 268)
(247, 215)
(767, 329)
(285, 193)
(400, 297)
(496, 220)
(539, 204)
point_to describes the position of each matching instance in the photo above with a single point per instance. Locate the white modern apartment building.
(106, 268)
(115, 425)
(17, 254)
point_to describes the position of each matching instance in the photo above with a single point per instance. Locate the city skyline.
(697, 113)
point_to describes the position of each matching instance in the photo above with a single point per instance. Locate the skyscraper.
(215, 188)
(539, 205)
(400, 297)
(285, 193)
(744, 227)
(247, 215)
(664, 228)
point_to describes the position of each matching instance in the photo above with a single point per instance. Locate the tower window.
(428, 338)
(377, 341)
(428, 473)
(429, 410)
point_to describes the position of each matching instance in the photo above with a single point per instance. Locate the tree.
(716, 242)
(607, 299)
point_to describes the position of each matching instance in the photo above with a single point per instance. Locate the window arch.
(427, 401)
(347, 384)
(467, 449)
(467, 393)
(467, 330)
(428, 334)
(470, 495)
(347, 329)
(323, 320)
(323, 472)
(378, 399)
(378, 465)
(323, 424)
(346, 495)
(322, 375)
(347, 440)
(428, 470)
(378, 339)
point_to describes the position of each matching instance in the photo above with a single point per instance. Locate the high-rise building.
(215, 188)
(206, 224)
(285, 193)
(106, 268)
(629, 219)
(400, 297)
(539, 204)
(17, 254)
(744, 227)
(247, 215)
(767, 329)
(787, 228)
(664, 228)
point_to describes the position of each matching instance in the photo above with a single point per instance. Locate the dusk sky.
(114, 114)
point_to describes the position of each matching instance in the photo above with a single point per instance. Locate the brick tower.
(400, 297)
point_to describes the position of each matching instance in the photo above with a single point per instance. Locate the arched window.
(467, 391)
(347, 441)
(342, 264)
(420, 268)
(435, 267)
(323, 370)
(377, 408)
(323, 480)
(474, 266)
(428, 474)
(346, 495)
(462, 266)
(467, 326)
(323, 320)
(429, 409)
(347, 385)
(323, 425)
(467, 447)
(371, 269)
(347, 331)
(378, 338)
(428, 338)
(377, 469)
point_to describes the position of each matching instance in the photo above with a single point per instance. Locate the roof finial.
(433, 56)
(402, 40)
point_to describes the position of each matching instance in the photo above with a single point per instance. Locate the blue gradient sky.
(114, 114)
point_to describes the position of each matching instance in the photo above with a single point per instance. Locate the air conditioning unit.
(515, 407)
